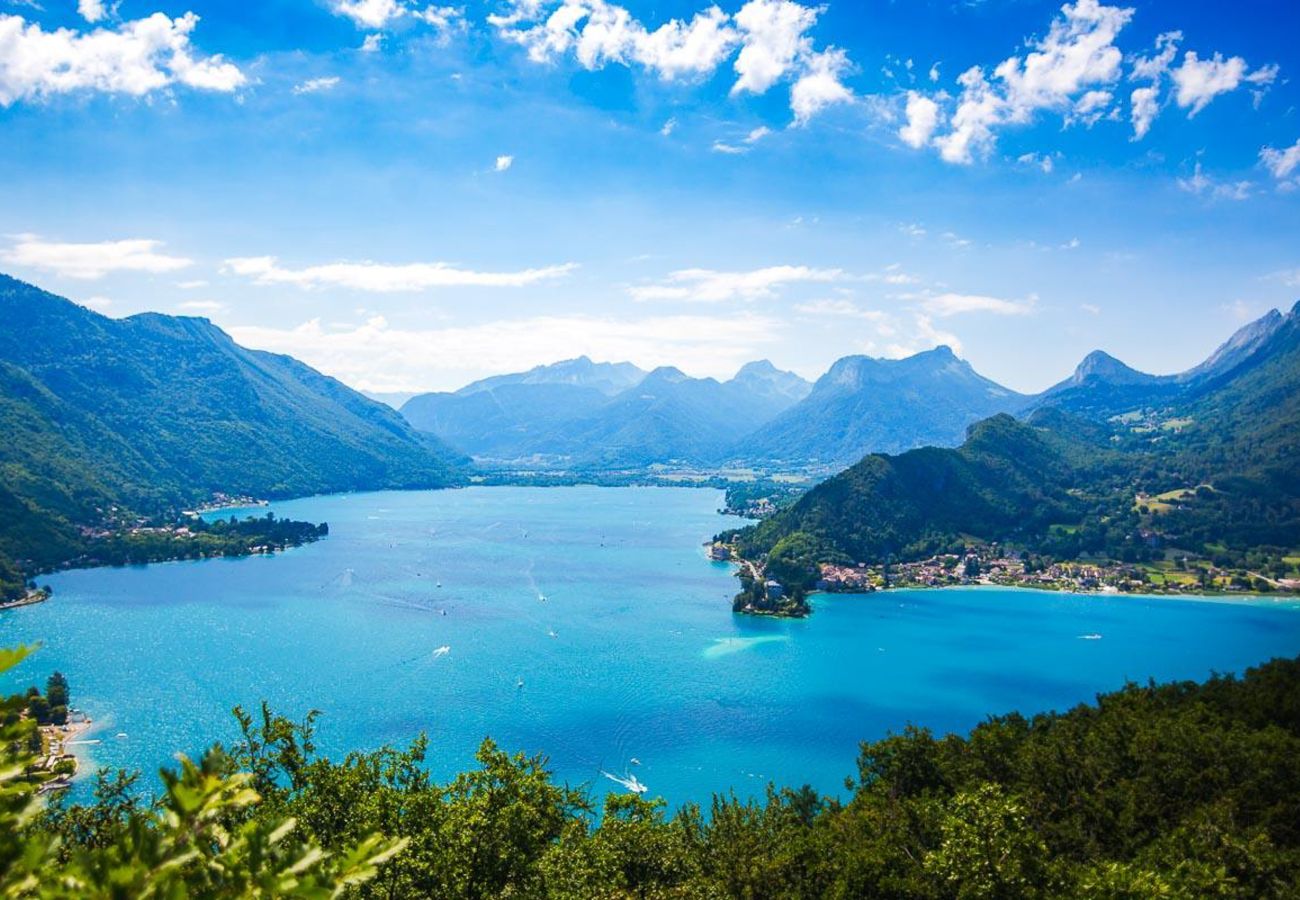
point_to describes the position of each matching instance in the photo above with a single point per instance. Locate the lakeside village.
(989, 566)
(124, 539)
(52, 726)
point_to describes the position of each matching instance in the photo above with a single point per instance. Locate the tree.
(988, 849)
(56, 690)
(38, 708)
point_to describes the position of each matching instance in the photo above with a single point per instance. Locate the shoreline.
(40, 595)
(1198, 596)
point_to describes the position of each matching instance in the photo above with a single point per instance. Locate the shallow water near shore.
(587, 624)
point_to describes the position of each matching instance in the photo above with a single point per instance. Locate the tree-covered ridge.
(1214, 474)
(1179, 790)
(106, 420)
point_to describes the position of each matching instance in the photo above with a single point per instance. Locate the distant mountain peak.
(757, 367)
(581, 371)
(1101, 366)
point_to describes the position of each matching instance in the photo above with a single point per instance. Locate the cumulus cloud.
(382, 14)
(503, 162)
(382, 278)
(709, 286)
(773, 35)
(1199, 81)
(91, 10)
(136, 58)
(370, 13)
(922, 119)
(92, 260)
(1072, 71)
(1145, 104)
(376, 356)
(316, 85)
(820, 85)
(769, 39)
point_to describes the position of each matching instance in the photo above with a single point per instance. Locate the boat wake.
(630, 782)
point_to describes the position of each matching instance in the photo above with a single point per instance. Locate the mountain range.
(110, 418)
(581, 414)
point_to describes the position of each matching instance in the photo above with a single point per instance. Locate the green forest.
(1179, 790)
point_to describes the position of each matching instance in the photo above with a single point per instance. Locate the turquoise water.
(633, 653)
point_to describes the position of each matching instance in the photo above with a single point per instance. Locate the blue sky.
(409, 196)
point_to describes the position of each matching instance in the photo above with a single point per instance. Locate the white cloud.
(1037, 160)
(757, 134)
(1091, 309)
(945, 305)
(1201, 184)
(381, 14)
(202, 306)
(729, 149)
(370, 13)
(315, 85)
(773, 36)
(92, 10)
(444, 18)
(668, 128)
(91, 261)
(192, 285)
(1073, 71)
(709, 286)
(137, 58)
(839, 308)
(768, 37)
(372, 44)
(1064, 69)
(1199, 81)
(1153, 67)
(100, 304)
(1281, 163)
(1146, 106)
(599, 33)
(503, 162)
(381, 278)
(934, 72)
(820, 85)
(922, 119)
(376, 356)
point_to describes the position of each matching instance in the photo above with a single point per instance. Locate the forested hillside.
(106, 419)
(1179, 790)
(1211, 470)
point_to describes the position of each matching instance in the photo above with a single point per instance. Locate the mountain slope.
(865, 405)
(153, 412)
(502, 422)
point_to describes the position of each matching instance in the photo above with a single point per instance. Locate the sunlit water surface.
(584, 623)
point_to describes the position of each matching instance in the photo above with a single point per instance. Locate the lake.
(585, 623)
